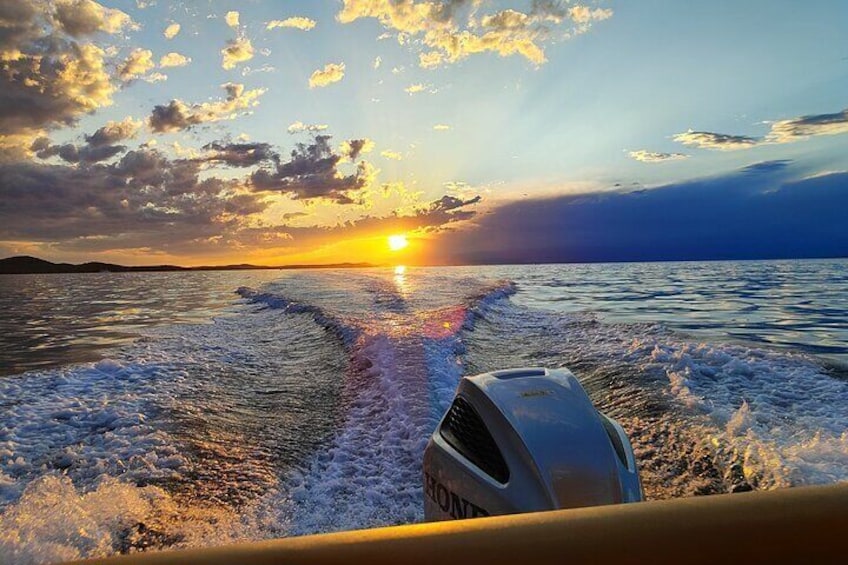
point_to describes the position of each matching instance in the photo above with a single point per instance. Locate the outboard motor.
(525, 440)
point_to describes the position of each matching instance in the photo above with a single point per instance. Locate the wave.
(703, 418)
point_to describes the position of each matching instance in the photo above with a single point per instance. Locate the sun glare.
(397, 242)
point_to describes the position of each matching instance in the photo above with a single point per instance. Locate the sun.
(397, 242)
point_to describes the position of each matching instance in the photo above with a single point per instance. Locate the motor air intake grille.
(464, 430)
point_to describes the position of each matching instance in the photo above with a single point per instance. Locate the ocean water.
(168, 410)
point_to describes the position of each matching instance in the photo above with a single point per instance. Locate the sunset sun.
(397, 242)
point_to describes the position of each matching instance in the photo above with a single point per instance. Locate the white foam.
(85, 421)
(781, 414)
(55, 521)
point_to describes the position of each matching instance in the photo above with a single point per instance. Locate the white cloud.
(174, 60)
(454, 30)
(155, 77)
(786, 131)
(389, 154)
(332, 72)
(236, 51)
(441, 127)
(415, 88)
(171, 31)
(84, 17)
(138, 63)
(304, 24)
(298, 127)
(653, 157)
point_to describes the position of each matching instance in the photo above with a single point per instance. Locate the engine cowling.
(525, 440)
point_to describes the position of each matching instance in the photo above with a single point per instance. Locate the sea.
(147, 411)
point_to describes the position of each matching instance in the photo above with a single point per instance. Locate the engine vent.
(614, 439)
(464, 430)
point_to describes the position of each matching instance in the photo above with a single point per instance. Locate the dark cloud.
(113, 132)
(761, 211)
(142, 200)
(239, 154)
(99, 145)
(446, 203)
(312, 172)
(75, 153)
(354, 147)
(177, 115)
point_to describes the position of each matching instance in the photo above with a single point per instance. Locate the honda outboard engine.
(525, 440)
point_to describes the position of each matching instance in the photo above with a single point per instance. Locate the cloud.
(174, 60)
(389, 154)
(232, 19)
(143, 200)
(171, 31)
(787, 131)
(239, 154)
(719, 141)
(76, 153)
(453, 30)
(653, 157)
(114, 132)
(148, 202)
(430, 59)
(377, 62)
(49, 77)
(441, 127)
(236, 51)
(138, 63)
(447, 203)
(299, 127)
(332, 72)
(153, 78)
(586, 15)
(100, 146)
(414, 88)
(301, 23)
(782, 131)
(353, 148)
(312, 172)
(85, 17)
(178, 115)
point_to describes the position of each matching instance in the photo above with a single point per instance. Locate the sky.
(210, 133)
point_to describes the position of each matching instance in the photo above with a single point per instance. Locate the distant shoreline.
(26, 265)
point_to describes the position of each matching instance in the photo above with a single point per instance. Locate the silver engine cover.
(525, 440)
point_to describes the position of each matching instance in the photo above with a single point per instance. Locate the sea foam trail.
(403, 371)
(185, 434)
